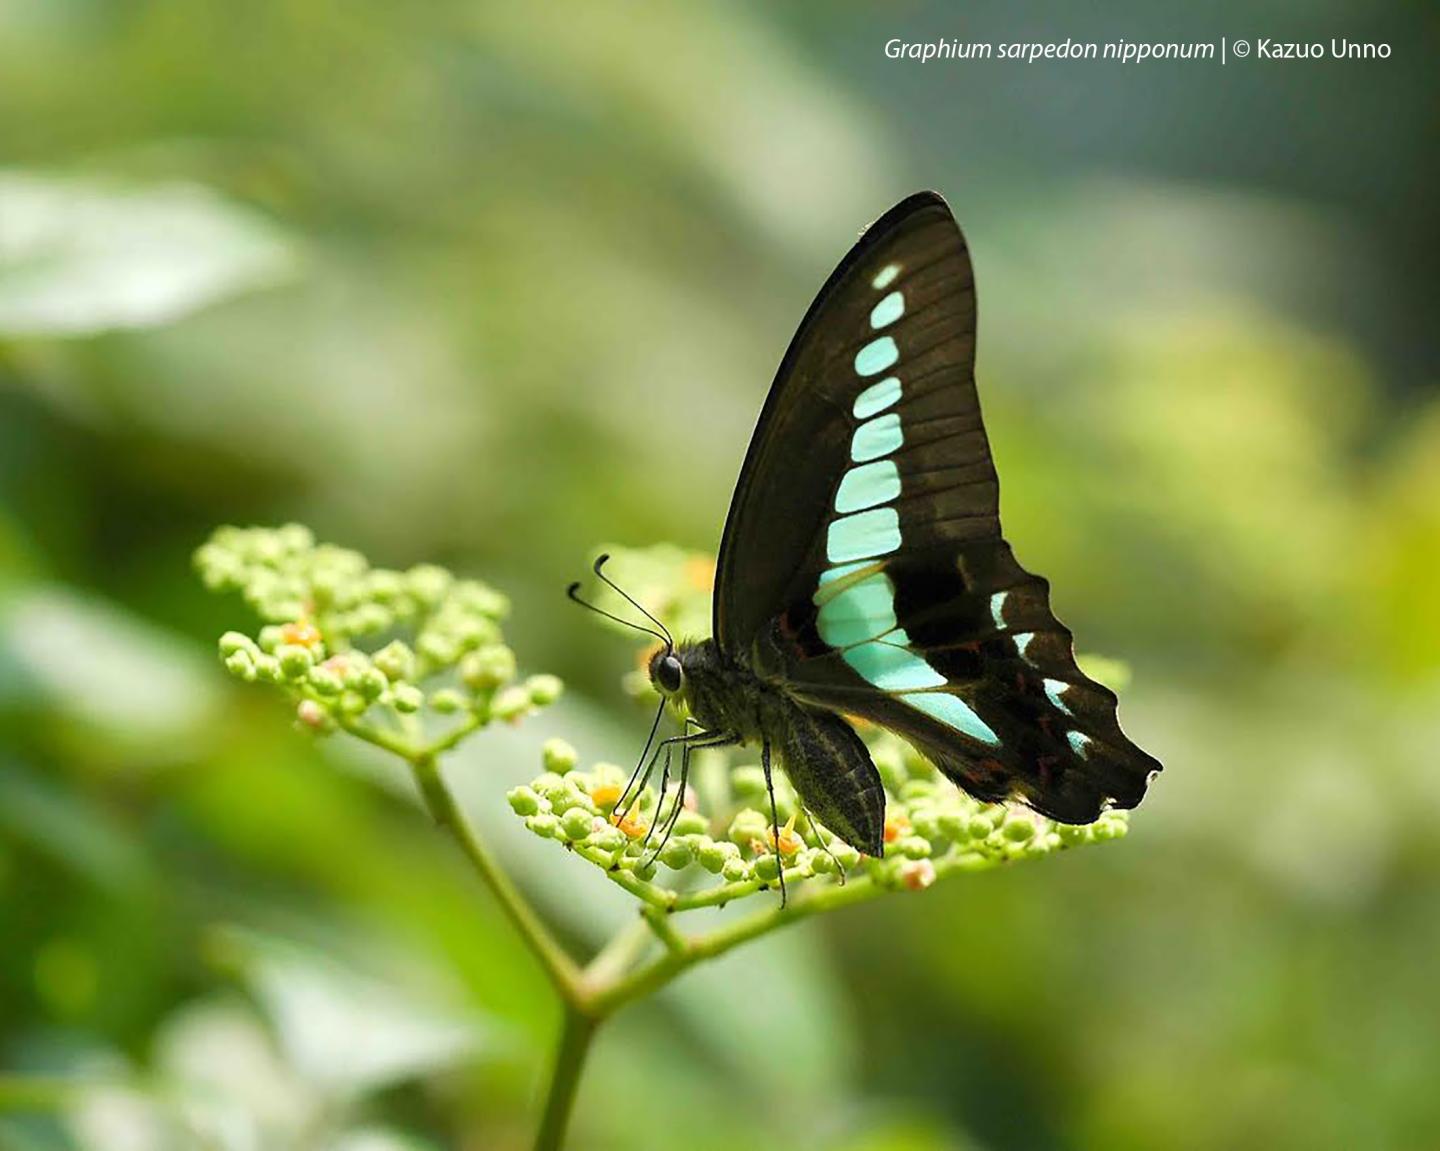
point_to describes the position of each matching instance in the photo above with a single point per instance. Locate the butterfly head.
(667, 673)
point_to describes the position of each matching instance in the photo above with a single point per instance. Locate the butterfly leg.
(700, 740)
(774, 820)
(660, 800)
(631, 794)
(669, 817)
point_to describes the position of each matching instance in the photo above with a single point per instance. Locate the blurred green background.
(486, 283)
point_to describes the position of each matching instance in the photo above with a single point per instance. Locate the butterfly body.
(826, 761)
(862, 571)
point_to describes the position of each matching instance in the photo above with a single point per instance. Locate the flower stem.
(440, 802)
(685, 952)
(575, 1037)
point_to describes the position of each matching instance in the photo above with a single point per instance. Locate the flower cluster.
(349, 641)
(931, 829)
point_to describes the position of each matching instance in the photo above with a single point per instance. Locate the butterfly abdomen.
(831, 770)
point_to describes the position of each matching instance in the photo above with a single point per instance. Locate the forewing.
(814, 420)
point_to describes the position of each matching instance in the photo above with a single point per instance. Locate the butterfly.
(862, 571)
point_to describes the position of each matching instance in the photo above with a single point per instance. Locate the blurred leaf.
(377, 1139)
(774, 1011)
(218, 1060)
(106, 668)
(83, 256)
(121, 1119)
(68, 827)
(348, 1032)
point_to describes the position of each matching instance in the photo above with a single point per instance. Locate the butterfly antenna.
(600, 563)
(573, 591)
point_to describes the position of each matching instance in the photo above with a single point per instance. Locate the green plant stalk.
(439, 801)
(613, 980)
(576, 1035)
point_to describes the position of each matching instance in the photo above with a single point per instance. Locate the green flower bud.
(570, 796)
(821, 863)
(558, 756)
(407, 698)
(747, 782)
(446, 701)
(767, 869)
(295, 538)
(925, 822)
(511, 703)
(233, 641)
(267, 668)
(325, 681)
(955, 825)
(1072, 833)
(544, 689)
(550, 785)
(736, 870)
(713, 855)
(691, 823)
(369, 618)
(577, 823)
(428, 583)
(368, 681)
(271, 637)
(385, 587)
(544, 824)
(748, 826)
(265, 546)
(487, 668)
(1107, 828)
(439, 648)
(913, 847)
(324, 588)
(644, 870)
(396, 660)
(220, 569)
(353, 703)
(523, 800)
(845, 855)
(241, 664)
(281, 608)
(295, 661)
(480, 598)
(1019, 828)
(977, 827)
(607, 838)
(677, 855)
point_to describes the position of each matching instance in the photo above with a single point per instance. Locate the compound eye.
(668, 675)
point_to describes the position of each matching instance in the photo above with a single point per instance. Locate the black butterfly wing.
(862, 568)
